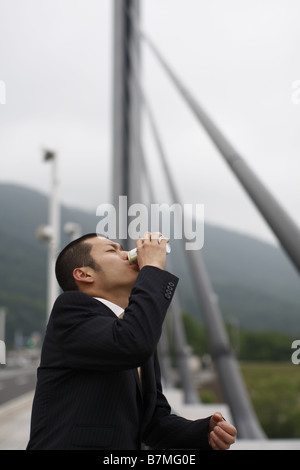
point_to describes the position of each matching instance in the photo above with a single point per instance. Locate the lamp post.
(51, 232)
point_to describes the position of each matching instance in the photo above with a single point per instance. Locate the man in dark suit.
(99, 384)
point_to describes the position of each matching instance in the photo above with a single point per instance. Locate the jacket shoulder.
(74, 297)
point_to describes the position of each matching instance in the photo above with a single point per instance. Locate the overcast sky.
(239, 58)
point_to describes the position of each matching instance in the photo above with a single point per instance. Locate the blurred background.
(239, 60)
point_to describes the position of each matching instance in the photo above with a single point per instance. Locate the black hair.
(75, 255)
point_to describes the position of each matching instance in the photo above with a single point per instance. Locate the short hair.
(75, 255)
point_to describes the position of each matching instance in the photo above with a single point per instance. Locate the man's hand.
(221, 434)
(150, 252)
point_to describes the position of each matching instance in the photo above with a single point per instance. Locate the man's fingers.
(156, 235)
(217, 417)
(150, 252)
(221, 439)
(228, 428)
(222, 434)
(217, 443)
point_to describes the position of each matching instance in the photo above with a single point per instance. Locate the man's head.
(75, 254)
(95, 265)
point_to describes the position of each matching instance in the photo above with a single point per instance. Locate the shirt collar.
(115, 308)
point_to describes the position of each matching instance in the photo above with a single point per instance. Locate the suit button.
(169, 290)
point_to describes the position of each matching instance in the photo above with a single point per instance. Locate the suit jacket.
(88, 394)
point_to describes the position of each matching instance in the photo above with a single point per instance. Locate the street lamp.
(51, 233)
(73, 230)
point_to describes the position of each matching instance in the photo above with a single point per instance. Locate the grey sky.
(238, 57)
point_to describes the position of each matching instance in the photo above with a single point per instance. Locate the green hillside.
(23, 259)
(255, 283)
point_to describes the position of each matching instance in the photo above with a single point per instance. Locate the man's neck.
(120, 301)
(119, 298)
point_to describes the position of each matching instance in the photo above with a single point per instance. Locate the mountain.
(257, 287)
(23, 258)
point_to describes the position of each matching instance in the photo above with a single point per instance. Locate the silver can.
(132, 254)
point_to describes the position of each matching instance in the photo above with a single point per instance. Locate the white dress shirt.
(115, 308)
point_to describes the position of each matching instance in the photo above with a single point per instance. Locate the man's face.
(115, 271)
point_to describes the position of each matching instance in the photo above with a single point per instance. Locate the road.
(16, 380)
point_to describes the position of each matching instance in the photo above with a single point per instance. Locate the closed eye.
(115, 247)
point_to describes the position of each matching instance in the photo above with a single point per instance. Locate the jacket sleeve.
(169, 431)
(90, 336)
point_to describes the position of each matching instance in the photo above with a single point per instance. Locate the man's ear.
(83, 275)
